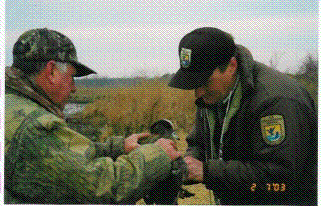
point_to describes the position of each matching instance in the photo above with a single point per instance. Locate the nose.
(199, 92)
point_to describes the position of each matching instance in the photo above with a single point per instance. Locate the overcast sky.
(122, 38)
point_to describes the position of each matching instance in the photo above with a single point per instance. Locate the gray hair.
(62, 66)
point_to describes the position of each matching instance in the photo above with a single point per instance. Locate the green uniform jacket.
(269, 150)
(47, 162)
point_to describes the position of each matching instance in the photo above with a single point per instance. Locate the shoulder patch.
(273, 130)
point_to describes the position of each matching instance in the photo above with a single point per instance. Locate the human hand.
(169, 146)
(195, 170)
(131, 142)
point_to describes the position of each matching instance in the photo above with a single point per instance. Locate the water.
(72, 108)
(84, 128)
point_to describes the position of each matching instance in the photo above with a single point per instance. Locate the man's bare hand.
(131, 142)
(195, 170)
(169, 147)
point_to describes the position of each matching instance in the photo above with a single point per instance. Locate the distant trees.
(308, 75)
(309, 67)
(274, 61)
(307, 72)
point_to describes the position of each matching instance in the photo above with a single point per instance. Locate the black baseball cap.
(200, 52)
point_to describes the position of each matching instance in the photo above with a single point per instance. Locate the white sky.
(122, 38)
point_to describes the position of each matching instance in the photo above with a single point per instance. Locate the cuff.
(117, 146)
(157, 162)
(213, 174)
(205, 173)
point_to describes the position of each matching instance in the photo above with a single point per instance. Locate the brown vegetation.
(127, 110)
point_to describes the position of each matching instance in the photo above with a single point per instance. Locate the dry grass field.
(127, 110)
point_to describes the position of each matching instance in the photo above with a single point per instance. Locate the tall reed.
(127, 110)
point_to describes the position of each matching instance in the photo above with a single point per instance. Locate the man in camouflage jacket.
(45, 161)
(255, 138)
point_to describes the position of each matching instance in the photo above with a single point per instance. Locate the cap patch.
(185, 57)
(273, 130)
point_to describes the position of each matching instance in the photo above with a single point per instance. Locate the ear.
(232, 67)
(50, 72)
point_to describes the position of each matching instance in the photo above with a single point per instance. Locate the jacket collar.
(245, 67)
(16, 80)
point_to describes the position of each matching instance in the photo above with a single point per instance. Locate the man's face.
(64, 85)
(218, 85)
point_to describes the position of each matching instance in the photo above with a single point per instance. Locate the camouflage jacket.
(47, 162)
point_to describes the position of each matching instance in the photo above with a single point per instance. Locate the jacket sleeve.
(281, 164)
(195, 149)
(192, 149)
(58, 163)
(112, 147)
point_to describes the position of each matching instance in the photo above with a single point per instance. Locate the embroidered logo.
(185, 57)
(273, 130)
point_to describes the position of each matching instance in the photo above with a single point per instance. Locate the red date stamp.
(273, 187)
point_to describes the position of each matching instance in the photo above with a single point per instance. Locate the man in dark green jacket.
(255, 138)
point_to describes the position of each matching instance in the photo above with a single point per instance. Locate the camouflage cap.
(41, 45)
